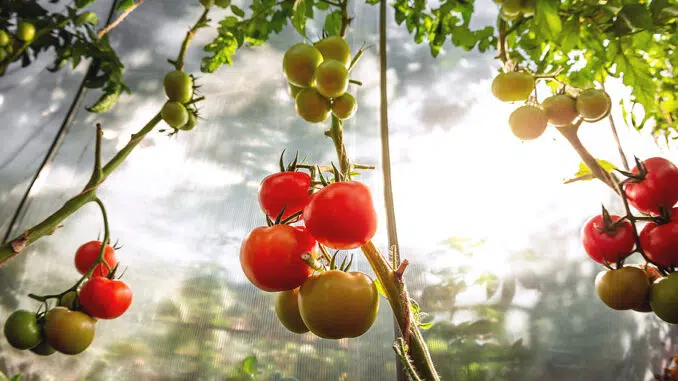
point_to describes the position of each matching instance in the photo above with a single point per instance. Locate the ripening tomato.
(513, 86)
(87, 255)
(593, 104)
(104, 298)
(607, 244)
(178, 86)
(560, 109)
(331, 78)
(22, 330)
(528, 122)
(312, 106)
(664, 298)
(659, 187)
(299, 64)
(624, 288)
(270, 257)
(293, 90)
(344, 106)
(341, 215)
(289, 190)
(287, 309)
(69, 332)
(334, 48)
(336, 304)
(68, 300)
(660, 242)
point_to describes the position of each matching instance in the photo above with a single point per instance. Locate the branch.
(179, 63)
(118, 20)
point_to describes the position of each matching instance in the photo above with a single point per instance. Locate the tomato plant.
(513, 86)
(299, 64)
(344, 106)
(331, 78)
(664, 298)
(623, 289)
(69, 332)
(88, 254)
(528, 122)
(22, 330)
(607, 240)
(337, 304)
(660, 241)
(270, 257)
(334, 48)
(341, 215)
(657, 186)
(287, 309)
(289, 190)
(104, 298)
(191, 123)
(312, 106)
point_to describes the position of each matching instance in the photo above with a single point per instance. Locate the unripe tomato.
(287, 309)
(331, 78)
(652, 275)
(3, 54)
(68, 300)
(289, 190)
(528, 122)
(299, 64)
(593, 105)
(508, 14)
(659, 187)
(312, 106)
(87, 255)
(69, 332)
(174, 114)
(334, 48)
(660, 242)
(528, 7)
(337, 305)
(104, 298)
(43, 349)
(87, 18)
(513, 7)
(207, 3)
(664, 298)
(25, 31)
(5, 39)
(345, 106)
(560, 109)
(22, 330)
(293, 90)
(222, 3)
(513, 86)
(607, 246)
(341, 215)
(192, 122)
(270, 257)
(624, 288)
(178, 86)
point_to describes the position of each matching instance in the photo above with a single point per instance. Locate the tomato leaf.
(636, 16)
(333, 23)
(585, 174)
(380, 288)
(16, 377)
(546, 18)
(107, 100)
(237, 11)
(299, 16)
(124, 5)
(491, 282)
(250, 365)
(83, 3)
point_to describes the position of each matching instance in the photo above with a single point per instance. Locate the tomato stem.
(102, 32)
(179, 63)
(400, 349)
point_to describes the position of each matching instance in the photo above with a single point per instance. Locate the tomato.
(22, 330)
(623, 289)
(528, 122)
(3, 54)
(25, 31)
(312, 106)
(270, 257)
(5, 39)
(652, 275)
(593, 105)
(207, 3)
(341, 215)
(344, 106)
(512, 7)
(289, 190)
(87, 18)
(560, 109)
(222, 3)
(508, 13)
(331, 78)
(659, 187)
(294, 90)
(334, 48)
(287, 309)
(68, 300)
(660, 242)
(178, 86)
(69, 332)
(528, 7)
(610, 244)
(336, 304)
(299, 64)
(43, 349)
(87, 255)
(192, 122)
(664, 298)
(104, 298)
(174, 114)
(513, 86)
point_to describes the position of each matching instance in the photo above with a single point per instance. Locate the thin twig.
(118, 20)
(619, 146)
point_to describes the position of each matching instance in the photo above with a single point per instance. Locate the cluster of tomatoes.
(318, 78)
(283, 257)
(529, 121)
(176, 112)
(512, 9)
(652, 189)
(69, 327)
(25, 32)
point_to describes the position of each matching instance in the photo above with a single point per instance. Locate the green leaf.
(107, 100)
(570, 36)
(380, 288)
(546, 18)
(636, 16)
(323, 6)
(124, 5)
(83, 3)
(299, 16)
(491, 282)
(584, 170)
(237, 11)
(636, 73)
(333, 23)
(250, 365)
(16, 377)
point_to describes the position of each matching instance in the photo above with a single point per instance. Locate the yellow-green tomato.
(312, 106)
(178, 86)
(513, 86)
(334, 48)
(68, 300)
(664, 298)
(5, 39)
(345, 106)
(528, 7)
(69, 332)
(287, 309)
(192, 122)
(22, 330)
(174, 114)
(25, 31)
(299, 64)
(623, 289)
(560, 109)
(293, 90)
(331, 78)
(593, 104)
(337, 304)
(3, 54)
(528, 122)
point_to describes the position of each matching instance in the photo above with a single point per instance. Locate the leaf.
(636, 73)
(585, 170)
(546, 18)
(250, 365)
(237, 11)
(16, 377)
(380, 288)
(636, 16)
(333, 23)
(107, 100)
(124, 5)
(570, 36)
(491, 282)
(83, 3)
(299, 16)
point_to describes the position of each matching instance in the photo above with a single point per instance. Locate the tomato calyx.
(292, 166)
(610, 226)
(634, 177)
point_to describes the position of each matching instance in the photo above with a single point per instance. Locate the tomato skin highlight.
(22, 330)
(341, 215)
(659, 187)
(623, 289)
(88, 253)
(271, 257)
(604, 246)
(287, 309)
(336, 304)
(289, 190)
(69, 332)
(660, 242)
(104, 298)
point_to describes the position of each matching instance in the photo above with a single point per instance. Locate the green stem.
(400, 349)
(179, 64)
(336, 132)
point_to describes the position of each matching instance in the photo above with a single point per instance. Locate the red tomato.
(88, 253)
(659, 187)
(289, 190)
(660, 242)
(341, 215)
(104, 298)
(609, 246)
(270, 257)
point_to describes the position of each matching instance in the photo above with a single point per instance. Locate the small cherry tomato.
(105, 298)
(607, 244)
(289, 190)
(664, 298)
(87, 255)
(22, 330)
(623, 289)
(69, 332)
(287, 309)
(660, 242)
(659, 187)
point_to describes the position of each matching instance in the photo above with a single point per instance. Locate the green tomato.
(345, 106)
(623, 289)
(68, 300)
(528, 7)
(22, 330)
(87, 18)
(331, 78)
(512, 7)
(334, 48)
(178, 86)
(192, 122)
(312, 106)
(222, 3)
(593, 104)
(5, 39)
(513, 86)
(528, 122)
(69, 332)
(293, 90)
(43, 349)
(174, 114)
(25, 31)
(207, 3)
(3, 54)
(287, 309)
(299, 64)
(664, 298)
(560, 109)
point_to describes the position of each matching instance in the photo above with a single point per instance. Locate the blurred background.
(490, 230)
